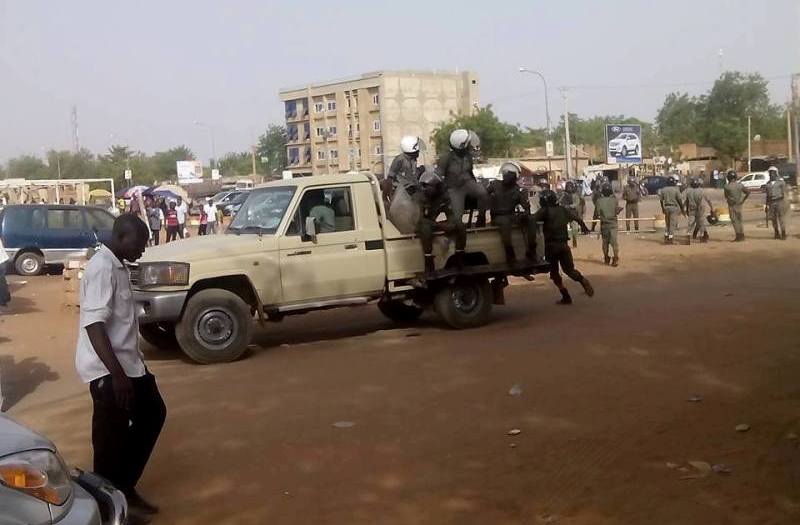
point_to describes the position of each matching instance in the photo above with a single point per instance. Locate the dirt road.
(606, 425)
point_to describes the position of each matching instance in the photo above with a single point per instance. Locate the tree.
(163, 163)
(236, 164)
(497, 138)
(678, 119)
(272, 147)
(27, 167)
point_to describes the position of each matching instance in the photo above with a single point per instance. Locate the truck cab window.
(331, 207)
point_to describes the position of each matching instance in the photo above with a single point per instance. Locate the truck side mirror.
(310, 233)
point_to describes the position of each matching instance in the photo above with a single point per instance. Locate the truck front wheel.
(399, 312)
(465, 303)
(216, 327)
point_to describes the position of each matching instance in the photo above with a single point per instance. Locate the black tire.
(159, 335)
(216, 327)
(624, 151)
(29, 264)
(636, 151)
(465, 304)
(399, 312)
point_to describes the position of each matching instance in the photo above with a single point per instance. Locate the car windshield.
(262, 211)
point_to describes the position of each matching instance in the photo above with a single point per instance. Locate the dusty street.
(607, 425)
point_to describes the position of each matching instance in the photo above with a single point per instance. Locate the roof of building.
(367, 76)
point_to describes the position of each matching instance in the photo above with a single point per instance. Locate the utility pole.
(749, 146)
(789, 141)
(546, 110)
(253, 155)
(567, 147)
(76, 143)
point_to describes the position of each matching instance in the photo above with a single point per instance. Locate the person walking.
(173, 224)
(632, 194)
(695, 197)
(671, 205)
(128, 411)
(155, 219)
(183, 211)
(607, 210)
(735, 195)
(201, 229)
(557, 252)
(5, 293)
(777, 204)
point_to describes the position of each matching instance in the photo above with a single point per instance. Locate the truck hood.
(209, 247)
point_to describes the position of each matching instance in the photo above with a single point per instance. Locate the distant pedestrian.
(777, 203)
(155, 219)
(128, 411)
(183, 211)
(632, 194)
(736, 194)
(671, 206)
(5, 293)
(201, 229)
(173, 224)
(607, 210)
(211, 216)
(695, 211)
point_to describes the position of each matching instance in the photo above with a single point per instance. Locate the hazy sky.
(144, 71)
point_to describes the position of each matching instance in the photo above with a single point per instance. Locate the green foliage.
(27, 167)
(498, 139)
(272, 147)
(678, 120)
(235, 164)
(592, 132)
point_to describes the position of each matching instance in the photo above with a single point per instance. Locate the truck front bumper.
(154, 307)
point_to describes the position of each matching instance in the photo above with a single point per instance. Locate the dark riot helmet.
(731, 175)
(695, 182)
(570, 187)
(548, 198)
(606, 189)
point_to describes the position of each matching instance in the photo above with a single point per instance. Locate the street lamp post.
(127, 156)
(546, 107)
(213, 146)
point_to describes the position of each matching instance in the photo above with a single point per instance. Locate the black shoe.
(607, 260)
(615, 261)
(587, 287)
(137, 503)
(565, 298)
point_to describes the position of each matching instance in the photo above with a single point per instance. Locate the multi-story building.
(355, 124)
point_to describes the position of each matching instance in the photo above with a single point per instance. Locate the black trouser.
(201, 230)
(156, 236)
(454, 227)
(5, 294)
(172, 232)
(505, 223)
(122, 439)
(180, 230)
(559, 253)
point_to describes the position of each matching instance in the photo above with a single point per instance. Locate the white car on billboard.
(625, 145)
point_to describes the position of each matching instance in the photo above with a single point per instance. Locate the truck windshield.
(262, 211)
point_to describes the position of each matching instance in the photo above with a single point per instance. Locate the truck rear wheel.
(465, 303)
(399, 312)
(216, 327)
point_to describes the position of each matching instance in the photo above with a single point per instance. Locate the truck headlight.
(163, 274)
(38, 473)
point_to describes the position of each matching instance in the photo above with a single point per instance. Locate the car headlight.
(38, 473)
(163, 274)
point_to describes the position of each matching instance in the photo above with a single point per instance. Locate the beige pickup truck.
(308, 244)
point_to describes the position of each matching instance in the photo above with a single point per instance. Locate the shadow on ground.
(18, 379)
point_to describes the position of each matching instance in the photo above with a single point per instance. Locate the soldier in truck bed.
(506, 198)
(557, 252)
(435, 200)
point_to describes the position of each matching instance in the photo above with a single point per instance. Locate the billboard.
(624, 143)
(189, 171)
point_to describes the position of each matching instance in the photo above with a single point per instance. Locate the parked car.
(653, 183)
(755, 181)
(232, 206)
(36, 235)
(35, 486)
(624, 145)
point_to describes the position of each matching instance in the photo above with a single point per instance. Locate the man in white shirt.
(183, 210)
(211, 216)
(128, 409)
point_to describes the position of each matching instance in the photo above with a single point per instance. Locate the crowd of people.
(168, 215)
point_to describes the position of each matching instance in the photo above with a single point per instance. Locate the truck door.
(335, 265)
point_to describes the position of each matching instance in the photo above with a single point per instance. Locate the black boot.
(430, 267)
(607, 260)
(511, 257)
(587, 287)
(615, 261)
(565, 297)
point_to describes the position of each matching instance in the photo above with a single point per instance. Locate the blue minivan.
(35, 235)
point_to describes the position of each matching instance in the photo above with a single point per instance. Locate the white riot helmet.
(409, 144)
(459, 139)
(511, 167)
(474, 141)
(773, 171)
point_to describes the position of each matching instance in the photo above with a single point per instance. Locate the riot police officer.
(403, 170)
(736, 194)
(434, 200)
(455, 169)
(632, 194)
(671, 206)
(607, 210)
(777, 203)
(510, 206)
(695, 197)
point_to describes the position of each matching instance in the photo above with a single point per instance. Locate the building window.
(379, 150)
(306, 131)
(292, 132)
(375, 99)
(321, 154)
(331, 105)
(294, 156)
(334, 153)
(319, 107)
(305, 107)
(376, 125)
(355, 153)
(291, 108)
(332, 131)
(320, 132)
